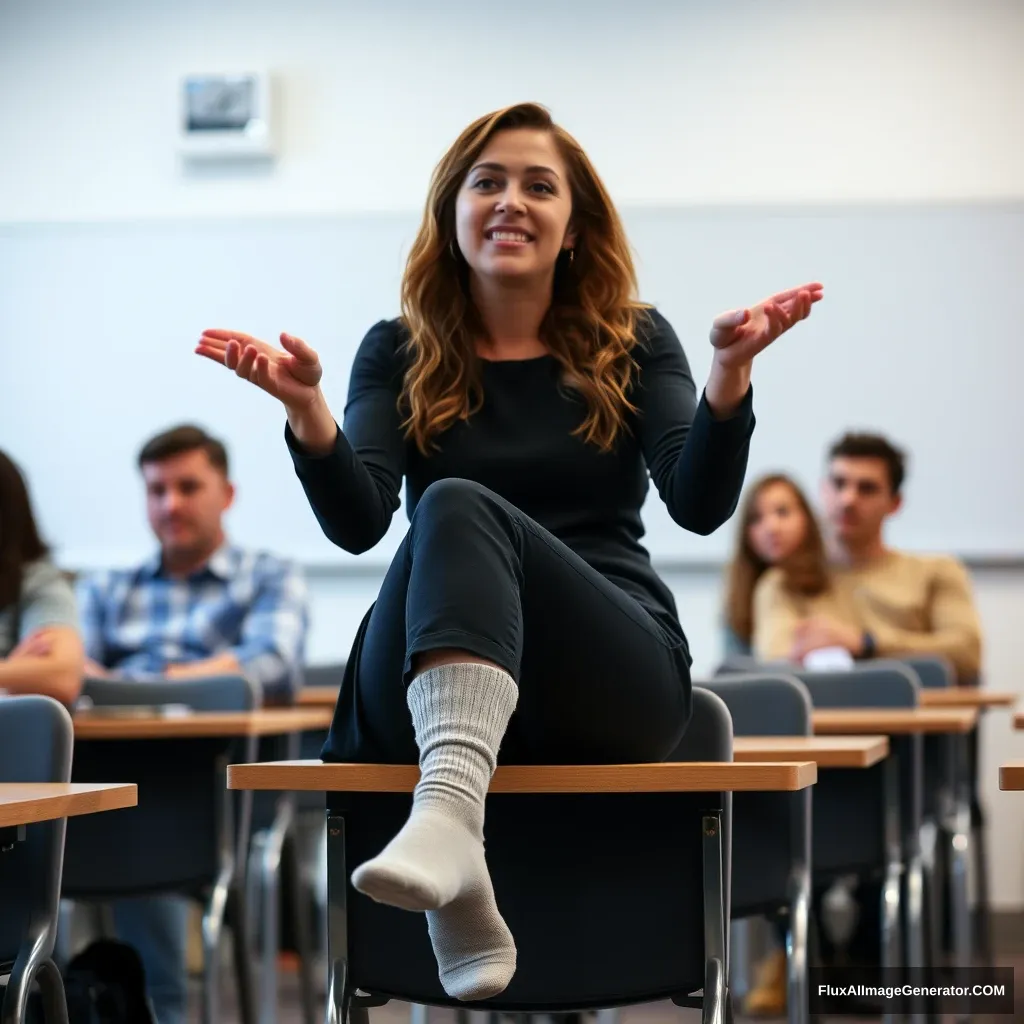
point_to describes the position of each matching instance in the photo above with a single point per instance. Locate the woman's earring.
(572, 255)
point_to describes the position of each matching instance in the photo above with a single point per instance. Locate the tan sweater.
(911, 604)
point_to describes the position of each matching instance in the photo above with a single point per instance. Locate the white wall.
(678, 102)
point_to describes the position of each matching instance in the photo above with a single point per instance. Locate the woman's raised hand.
(292, 374)
(741, 334)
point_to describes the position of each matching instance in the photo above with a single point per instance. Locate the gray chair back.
(771, 831)
(933, 672)
(211, 693)
(603, 892)
(36, 741)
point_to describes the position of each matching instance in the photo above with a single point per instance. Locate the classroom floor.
(652, 1013)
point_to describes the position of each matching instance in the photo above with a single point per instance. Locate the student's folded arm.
(697, 462)
(354, 488)
(776, 618)
(956, 627)
(57, 673)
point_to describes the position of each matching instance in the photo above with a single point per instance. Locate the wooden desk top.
(24, 803)
(825, 751)
(893, 721)
(317, 696)
(1011, 775)
(1018, 720)
(968, 697)
(632, 778)
(267, 722)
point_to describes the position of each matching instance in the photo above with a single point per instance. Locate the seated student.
(40, 650)
(881, 602)
(777, 528)
(200, 606)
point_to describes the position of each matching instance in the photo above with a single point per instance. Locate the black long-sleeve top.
(520, 445)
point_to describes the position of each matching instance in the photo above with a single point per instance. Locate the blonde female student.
(525, 396)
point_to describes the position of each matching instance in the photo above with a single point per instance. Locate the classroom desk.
(317, 696)
(1011, 776)
(694, 777)
(893, 721)
(825, 751)
(687, 776)
(90, 725)
(1018, 720)
(25, 803)
(967, 697)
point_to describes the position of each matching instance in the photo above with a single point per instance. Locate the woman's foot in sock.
(474, 949)
(432, 861)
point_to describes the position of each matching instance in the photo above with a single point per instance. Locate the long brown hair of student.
(20, 542)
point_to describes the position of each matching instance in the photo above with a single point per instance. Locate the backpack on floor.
(106, 984)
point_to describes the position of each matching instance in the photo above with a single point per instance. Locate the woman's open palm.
(741, 334)
(291, 374)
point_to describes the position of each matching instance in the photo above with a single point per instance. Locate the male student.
(198, 607)
(883, 602)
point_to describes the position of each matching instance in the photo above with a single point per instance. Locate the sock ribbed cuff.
(459, 713)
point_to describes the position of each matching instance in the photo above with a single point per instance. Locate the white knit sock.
(436, 862)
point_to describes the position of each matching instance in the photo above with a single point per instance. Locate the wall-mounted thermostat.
(227, 116)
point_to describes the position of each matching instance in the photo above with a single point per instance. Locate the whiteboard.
(917, 337)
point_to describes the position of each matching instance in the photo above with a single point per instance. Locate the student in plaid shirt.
(198, 607)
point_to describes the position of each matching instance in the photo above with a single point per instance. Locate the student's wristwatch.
(868, 649)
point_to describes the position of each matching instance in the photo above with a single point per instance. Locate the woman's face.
(513, 210)
(779, 524)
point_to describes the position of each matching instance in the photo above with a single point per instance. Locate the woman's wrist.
(313, 425)
(726, 388)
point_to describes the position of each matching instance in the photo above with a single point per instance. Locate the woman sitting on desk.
(524, 396)
(40, 649)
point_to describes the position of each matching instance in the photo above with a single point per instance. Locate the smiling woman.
(526, 397)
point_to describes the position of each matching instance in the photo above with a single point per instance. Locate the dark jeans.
(601, 679)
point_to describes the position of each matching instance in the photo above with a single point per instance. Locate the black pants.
(601, 680)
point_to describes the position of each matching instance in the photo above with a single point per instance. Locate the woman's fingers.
(298, 348)
(221, 335)
(246, 362)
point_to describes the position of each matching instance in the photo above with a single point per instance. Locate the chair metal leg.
(419, 1014)
(983, 908)
(270, 929)
(797, 992)
(891, 908)
(300, 921)
(238, 917)
(713, 1011)
(51, 985)
(212, 929)
(252, 877)
(337, 923)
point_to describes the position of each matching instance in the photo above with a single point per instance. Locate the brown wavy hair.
(590, 327)
(805, 571)
(20, 542)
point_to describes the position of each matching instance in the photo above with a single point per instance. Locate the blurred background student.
(40, 650)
